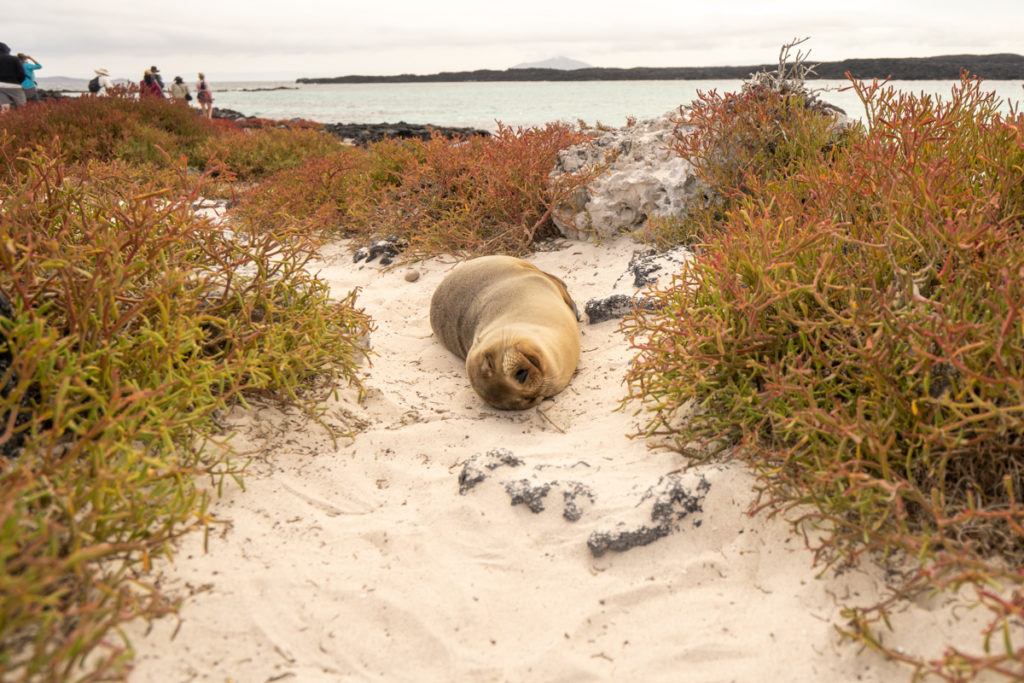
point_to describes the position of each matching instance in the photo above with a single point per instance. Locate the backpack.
(94, 85)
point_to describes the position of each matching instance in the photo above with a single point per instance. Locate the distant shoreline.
(994, 67)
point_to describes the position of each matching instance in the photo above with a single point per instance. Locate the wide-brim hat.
(101, 72)
(153, 69)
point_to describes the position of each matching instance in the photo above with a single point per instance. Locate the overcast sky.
(255, 39)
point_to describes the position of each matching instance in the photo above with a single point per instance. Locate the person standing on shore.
(101, 83)
(30, 65)
(12, 75)
(179, 90)
(148, 86)
(156, 76)
(205, 96)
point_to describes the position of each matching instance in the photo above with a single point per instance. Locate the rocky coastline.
(362, 134)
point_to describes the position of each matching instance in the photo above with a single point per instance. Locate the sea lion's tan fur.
(514, 324)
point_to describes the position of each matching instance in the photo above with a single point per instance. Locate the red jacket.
(152, 88)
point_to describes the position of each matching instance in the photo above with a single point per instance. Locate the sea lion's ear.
(564, 292)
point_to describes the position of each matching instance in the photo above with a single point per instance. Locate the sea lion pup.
(514, 324)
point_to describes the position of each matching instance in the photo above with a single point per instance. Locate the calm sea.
(480, 105)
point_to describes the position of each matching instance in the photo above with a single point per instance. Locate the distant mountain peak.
(559, 62)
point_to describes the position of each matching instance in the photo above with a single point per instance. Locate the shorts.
(13, 95)
(205, 97)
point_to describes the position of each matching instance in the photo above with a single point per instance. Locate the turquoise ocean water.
(480, 105)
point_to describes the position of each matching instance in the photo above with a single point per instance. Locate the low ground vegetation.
(127, 323)
(854, 324)
(154, 134)
(480, 195)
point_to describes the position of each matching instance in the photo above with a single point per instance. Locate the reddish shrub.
(478, 195)
(856, 321)
(105, 128)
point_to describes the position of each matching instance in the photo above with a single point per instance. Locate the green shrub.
(130, 322)
(320, 193)
(253, 153)
(856, 323)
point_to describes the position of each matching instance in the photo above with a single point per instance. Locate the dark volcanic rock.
(475, 469)
(387, 249)
(614, 306)
(528, 493)
(532, 494)
(229, 114)
(44, 94)
(600, 542)
(671, 505)
(647, 265)
(364, 133)
(571, 495)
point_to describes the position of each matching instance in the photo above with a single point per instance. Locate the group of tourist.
(152, 85)
(17, 78)
(18, 84)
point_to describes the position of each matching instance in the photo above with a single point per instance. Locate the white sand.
(363, 562)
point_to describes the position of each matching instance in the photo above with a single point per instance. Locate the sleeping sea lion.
(514, 324)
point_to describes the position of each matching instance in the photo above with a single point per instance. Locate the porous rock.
(572, 493)
(614, 306)
(648, 265)
(387, 249)
(638, 176)
(475, 469)
(362, 134)
(528, 493)
(532, 493)
(673, 502)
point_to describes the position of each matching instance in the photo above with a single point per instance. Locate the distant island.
(943, 68)
(559, 62)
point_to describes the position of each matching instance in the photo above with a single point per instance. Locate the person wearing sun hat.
(12, 74)
(103, 79)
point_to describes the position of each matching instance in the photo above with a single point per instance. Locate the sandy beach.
(363, 561)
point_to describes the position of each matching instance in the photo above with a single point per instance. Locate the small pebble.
(412, 276)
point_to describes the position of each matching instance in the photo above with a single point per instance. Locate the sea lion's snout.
(507, 379)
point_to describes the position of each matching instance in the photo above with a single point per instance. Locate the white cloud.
(233, 39)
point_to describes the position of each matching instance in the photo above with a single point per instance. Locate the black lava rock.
(229, 114)
(530, 494)
(574, 490)
(673, 504)
(473, 470)
(613, 307)
(363, 134)
(387, 249)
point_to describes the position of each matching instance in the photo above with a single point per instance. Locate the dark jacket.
(11, 70)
